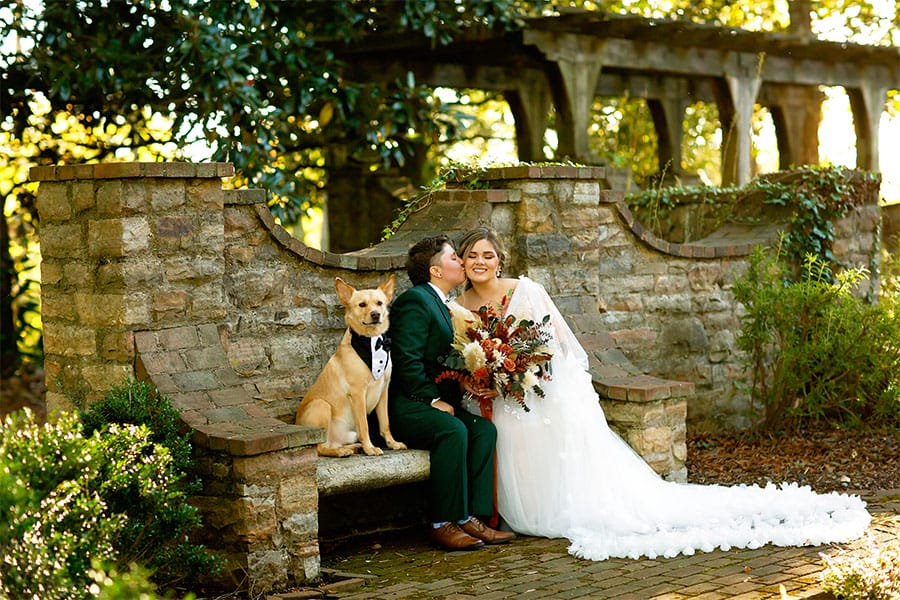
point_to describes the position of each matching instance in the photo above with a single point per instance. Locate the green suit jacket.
(421, 334)
(461, 445)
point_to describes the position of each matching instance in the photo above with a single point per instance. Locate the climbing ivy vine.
(815, 198)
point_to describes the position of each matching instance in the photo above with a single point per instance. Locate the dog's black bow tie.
(383, 342)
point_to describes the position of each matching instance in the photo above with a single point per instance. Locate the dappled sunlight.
(837, 137)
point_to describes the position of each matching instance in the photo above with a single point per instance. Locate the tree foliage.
(255, 83)
(258, 81)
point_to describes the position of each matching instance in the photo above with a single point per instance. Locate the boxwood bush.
(95, 504)
(160, 518)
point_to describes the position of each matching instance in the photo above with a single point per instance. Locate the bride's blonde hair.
(471, 237)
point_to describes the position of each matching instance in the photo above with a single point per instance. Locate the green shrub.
(875, 575)
(815, 351)
(138, 403)
(160, 519)
(131, 585)
(55, 525)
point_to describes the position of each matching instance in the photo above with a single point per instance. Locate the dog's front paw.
(373, 450)
(395, 445)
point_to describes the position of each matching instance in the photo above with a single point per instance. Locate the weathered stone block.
(298, 495)
(163, 362)
(101, 310)
(167, 194)
(69, 340)
(536, 215)
(255, 518)
(247, 356)
(586, 192)
(61, 240)
(169, 305)
(110, 201)
(272, 466)
(53, 203)
(118, 237)
(175, 228)
(267, 569)
(206, 195)
(208, 302)
(58, 402)
(195, 380)
(305, 562)
(208, 357)
(117, 346)
(104, 376)
(58, 307)
(137, 309)
(300, 526)
(175, 338)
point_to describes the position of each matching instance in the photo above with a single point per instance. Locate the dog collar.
(374, 351)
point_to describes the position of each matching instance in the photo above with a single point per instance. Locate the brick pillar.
(125, 247)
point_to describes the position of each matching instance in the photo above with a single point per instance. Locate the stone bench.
(360, 494)
(360, 472)
(267, 494)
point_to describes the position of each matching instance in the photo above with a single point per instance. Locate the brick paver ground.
(403, 565)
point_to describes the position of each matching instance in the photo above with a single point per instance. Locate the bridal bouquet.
(501, 353)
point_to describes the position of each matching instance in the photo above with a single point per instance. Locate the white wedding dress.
(562, 472)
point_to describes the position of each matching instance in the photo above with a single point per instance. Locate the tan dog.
(346, 390)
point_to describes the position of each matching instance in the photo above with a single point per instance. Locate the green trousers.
(461, 447)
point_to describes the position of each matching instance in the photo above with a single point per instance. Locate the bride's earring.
(499, 273)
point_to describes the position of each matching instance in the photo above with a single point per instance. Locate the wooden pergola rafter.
(565, 62)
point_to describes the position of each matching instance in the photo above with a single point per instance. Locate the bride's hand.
(479, 392)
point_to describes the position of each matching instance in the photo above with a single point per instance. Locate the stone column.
(530, 103)
(867, 104)
(578, 61)
(668, 120)
(119, 256)
(743, 82)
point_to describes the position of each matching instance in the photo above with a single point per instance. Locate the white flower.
(530, 379)
(474, 356)
(500, 380)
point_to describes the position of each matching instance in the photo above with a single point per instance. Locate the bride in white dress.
(561, 471)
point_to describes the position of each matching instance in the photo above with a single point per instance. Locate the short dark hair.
(422, 256)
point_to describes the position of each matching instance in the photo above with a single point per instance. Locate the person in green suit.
(428, 415)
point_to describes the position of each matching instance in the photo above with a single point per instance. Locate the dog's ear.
(344, 290)
(387, 286)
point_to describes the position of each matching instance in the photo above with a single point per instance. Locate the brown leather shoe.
(477, 529)
(451, 537)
